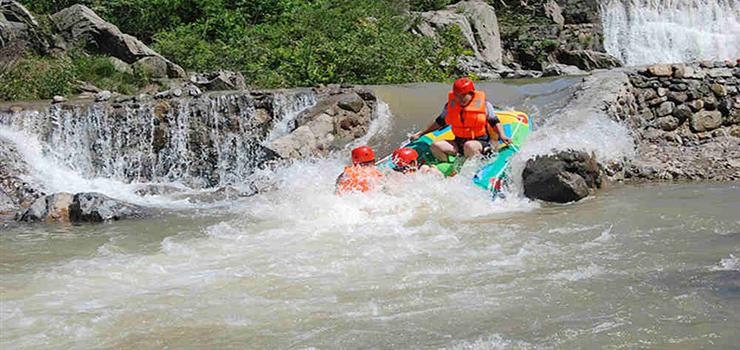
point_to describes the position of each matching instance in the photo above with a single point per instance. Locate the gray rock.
(705, 121)
(556, 69)
(351, 102)
(668, 123)
(153, 66)
(587, 59)
(662, 91)
(469, 65)
(121, 66)
(710, 102)
(19, 28)
(553, 12)
(665, 108)
(36, 212)
(477, 22)
(104, 95)
(219, 80)
(682, 112)
(678, 96)
(81, 27)
(58, 99)
(96, 207)
(563, 177)
(720, 73)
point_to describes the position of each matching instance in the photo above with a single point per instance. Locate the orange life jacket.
(358, 178)
(470, 121)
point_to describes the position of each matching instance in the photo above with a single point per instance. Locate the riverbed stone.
(96, 207)
(562, 177)
(705, 121)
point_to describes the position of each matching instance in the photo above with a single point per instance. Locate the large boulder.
(587, 59)
(563, 177)
(330, 124)
(96, 207)
(477, 22)
(82, 27)
(17, 25)
(53, 208)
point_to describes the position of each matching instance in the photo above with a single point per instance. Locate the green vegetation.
(33, 77)
(283, 43)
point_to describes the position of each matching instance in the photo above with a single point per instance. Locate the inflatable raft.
(492, 175)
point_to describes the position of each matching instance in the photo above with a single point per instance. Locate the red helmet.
(363, 154)
(463, 86)
(404, 156)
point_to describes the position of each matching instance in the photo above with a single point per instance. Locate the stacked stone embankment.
(685, 118)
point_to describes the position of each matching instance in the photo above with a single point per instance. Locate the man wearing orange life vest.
(362, 175)
(469, 114)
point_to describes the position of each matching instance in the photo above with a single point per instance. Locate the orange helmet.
(403, 157)
(463, 86)
(363, 154)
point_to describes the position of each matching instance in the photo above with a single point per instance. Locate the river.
(427, 263)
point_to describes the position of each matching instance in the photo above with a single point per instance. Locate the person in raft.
(362, 175)
(406, 161)
(468, 113)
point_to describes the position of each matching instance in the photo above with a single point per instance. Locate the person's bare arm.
(431, 127)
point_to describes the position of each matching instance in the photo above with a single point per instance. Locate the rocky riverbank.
(683, 119)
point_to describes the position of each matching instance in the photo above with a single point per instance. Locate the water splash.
(670, 31)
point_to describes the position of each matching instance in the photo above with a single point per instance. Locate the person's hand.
(414, 137)
(506, 139)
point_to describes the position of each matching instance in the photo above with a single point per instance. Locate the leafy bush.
(361, 41)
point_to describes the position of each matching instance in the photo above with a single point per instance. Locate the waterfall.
(642, 32)
(212, 140)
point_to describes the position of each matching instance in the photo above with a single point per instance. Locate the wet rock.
(705, 121)
(15, 189)
(49, 209)
(563, 177)
(351, 102)
(96, 207)
(81, 27)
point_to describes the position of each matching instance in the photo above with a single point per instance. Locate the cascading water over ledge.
(213, 140)
(642, 32)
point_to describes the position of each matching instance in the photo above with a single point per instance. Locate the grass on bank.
(33, 77)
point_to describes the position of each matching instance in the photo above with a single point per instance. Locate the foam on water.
(669, 31)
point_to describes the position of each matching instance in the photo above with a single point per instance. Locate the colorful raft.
(491, 176)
